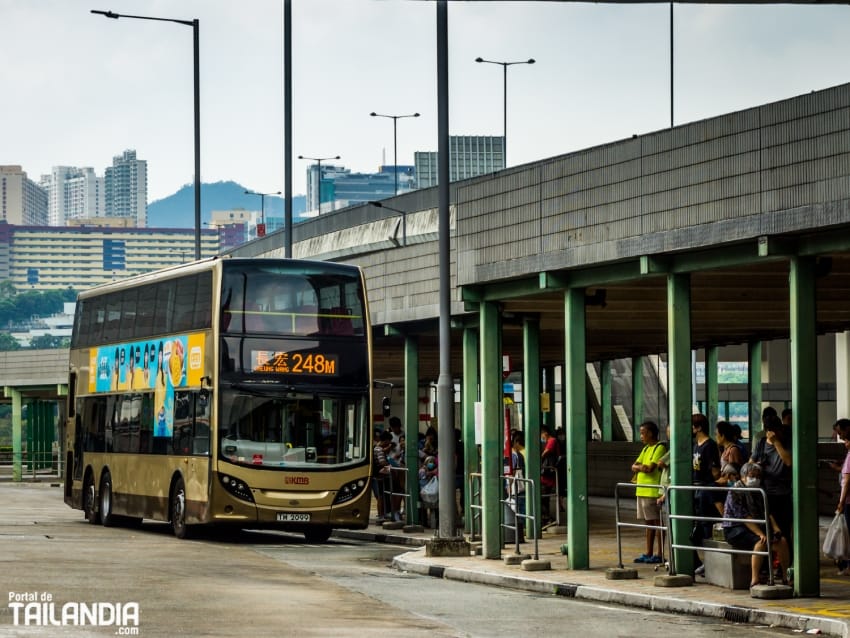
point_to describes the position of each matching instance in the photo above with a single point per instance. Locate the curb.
(414, 564)
(379, 537)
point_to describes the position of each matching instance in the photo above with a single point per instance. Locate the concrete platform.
(829, 613)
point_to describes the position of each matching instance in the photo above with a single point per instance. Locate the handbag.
(836, 545)
(430, 492)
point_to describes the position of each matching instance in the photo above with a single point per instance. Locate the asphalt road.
(263, 584)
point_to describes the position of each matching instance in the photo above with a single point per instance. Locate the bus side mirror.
(385, 406)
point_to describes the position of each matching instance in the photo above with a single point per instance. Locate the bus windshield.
(257, 298)
(292, 430)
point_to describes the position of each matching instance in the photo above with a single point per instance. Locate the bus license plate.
(289, 517)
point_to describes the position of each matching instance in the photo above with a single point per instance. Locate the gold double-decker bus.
(223, 392)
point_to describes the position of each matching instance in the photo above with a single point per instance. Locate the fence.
(474, 482)
(521, 518)
(669, 530)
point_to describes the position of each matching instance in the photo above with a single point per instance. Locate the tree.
(8, 342)
(48, 342)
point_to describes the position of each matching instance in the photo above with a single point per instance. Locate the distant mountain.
(178, 210)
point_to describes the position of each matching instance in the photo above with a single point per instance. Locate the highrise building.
(469, 156)
(22, 201)
(126, 186)
(73, 193)
(340, 187)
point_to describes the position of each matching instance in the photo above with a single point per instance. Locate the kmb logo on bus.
(297, 480)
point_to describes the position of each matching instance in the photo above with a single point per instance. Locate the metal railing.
(521, 520)
(667, 528)
(397, 483)
(662, 529)
(715, 519)
(475, 506)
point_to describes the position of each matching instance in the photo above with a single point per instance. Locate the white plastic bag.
(836, 545)
(430, 493)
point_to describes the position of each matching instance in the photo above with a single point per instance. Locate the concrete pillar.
(575, 398)
(842, 375)
(411, 426)
(804, 385)
(549, 388)
(492, 410)
(637, 396)
(712, 355)
(531, 409)
(17, 447)
(680, 408)
(754, 353)
(469, 399)
(605, 401)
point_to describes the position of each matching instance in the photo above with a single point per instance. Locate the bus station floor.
(827, 614)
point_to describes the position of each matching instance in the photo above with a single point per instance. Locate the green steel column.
(411, 425)
(492, 429)
(549, 387)
(804, 385)
(712, 356)
(637, 396)
(575, 397)
(531, 409)
(754, 387)
(470, 397)
(680, 407)
(17, 449)
(605, 401)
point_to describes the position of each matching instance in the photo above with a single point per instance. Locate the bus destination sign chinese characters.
(311, 363)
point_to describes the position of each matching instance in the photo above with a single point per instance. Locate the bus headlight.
(236, 487)
(350, 490)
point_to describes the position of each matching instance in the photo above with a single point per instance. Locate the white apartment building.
(126, 183)
(73, 193)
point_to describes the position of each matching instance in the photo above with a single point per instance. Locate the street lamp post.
(395, 119)
(403, 214)
(262, 208)
(319, 161)
(505, 66)
(197, 125)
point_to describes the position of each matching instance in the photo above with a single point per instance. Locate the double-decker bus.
(225, 391)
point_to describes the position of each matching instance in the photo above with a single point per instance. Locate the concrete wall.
(777, 168)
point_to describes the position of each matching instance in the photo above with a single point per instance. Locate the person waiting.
(648, 473)
(751, 536)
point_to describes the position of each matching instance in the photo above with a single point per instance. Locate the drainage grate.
(737, 614)
(436, 571)
(568, 591)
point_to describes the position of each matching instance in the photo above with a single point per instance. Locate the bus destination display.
(310, 363)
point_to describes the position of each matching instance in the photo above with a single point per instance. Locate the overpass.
(730, 230)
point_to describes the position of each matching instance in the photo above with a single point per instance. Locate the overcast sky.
(78, 88)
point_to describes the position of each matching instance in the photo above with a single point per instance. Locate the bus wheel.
(318, 534)
(106, 516)
(178, 510)
(89, 500)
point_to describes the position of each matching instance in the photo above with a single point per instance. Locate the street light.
(505, 66)
(403, 214)
(319, 161)
(195, 49)
(395, 119)
(262, 209)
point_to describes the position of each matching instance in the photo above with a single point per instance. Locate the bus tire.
(90, 501)
(178, 510)
(318, 534)
(107, 519)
